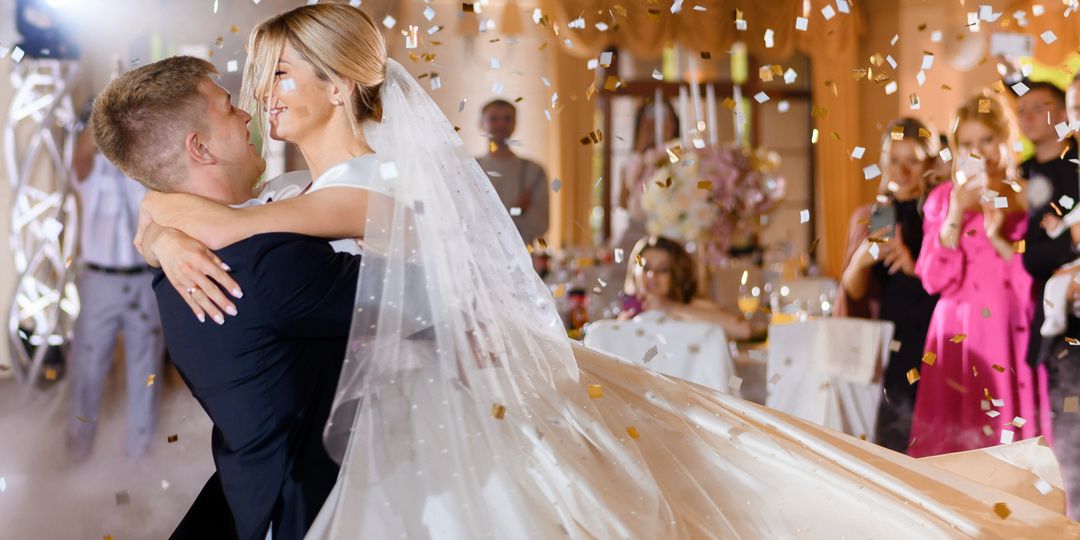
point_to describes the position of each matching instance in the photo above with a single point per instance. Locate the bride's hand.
(191, 266)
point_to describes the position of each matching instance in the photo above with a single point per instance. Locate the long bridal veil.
(458, 393)
(464, 412)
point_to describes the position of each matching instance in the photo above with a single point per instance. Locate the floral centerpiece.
(713, 197)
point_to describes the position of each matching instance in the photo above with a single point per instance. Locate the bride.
(463, 411)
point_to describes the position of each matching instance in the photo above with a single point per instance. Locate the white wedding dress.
(464, 412)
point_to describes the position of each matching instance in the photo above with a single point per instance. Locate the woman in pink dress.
(975, 390)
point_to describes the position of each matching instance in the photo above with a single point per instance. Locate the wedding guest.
(521, 183)
(1061, 359)
(116, 297)
(1051, 176)
(663, 277)
(635, 173)
(975, 388)
(879, 280)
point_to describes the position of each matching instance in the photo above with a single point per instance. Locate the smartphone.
(970, 170)
(883, 216)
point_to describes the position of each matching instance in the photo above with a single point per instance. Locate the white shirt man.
(116, 296)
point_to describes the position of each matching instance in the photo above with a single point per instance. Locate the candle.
(710, 108)
(736, 95)
(658, 118)
(696, 91)
(683, 105)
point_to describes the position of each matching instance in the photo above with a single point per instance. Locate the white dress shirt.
(109, 215)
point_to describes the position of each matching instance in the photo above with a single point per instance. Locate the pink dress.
(979, 391)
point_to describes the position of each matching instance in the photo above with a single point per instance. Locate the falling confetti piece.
(912, 376)
(632, 432)
(595, 391)
(150, 379)
(1072, 404)
(735, 384)
(984, 106)
(1072, 341)
(122, 498)
(1020, 246)
(51, 374)
(986, 313)
(804, 216)
(650, 354)
(1043, 487)
(1007, 436)
(1002, 510)
(929, 358)
(498, 411)
(958, 338)
(172, 438)
(3, 484)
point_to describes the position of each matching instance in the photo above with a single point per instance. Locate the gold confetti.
(234, 29)
(107, 537)
(858, 73)
(984, 105)
(765, 74)
(912, 376)
(818, 111)
(1072, 341)
(498, 411)
(51, 374)
(172, 438)
(998, 368)
(632, 432)
(705, 184)
(958, 338)
(1002, 510)
(1072, 404)
(999, 87)
(595, 137)
(150, 379)
(928, 358)
(946, 87)
(219, 42)
(729, 103)
(560, 291)
(1020, 246)
(924, 133)
(468, 7)
(595, 391)
(706, 55)
(897, 133)
(611, 83)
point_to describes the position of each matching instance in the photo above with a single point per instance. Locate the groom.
(266, 377)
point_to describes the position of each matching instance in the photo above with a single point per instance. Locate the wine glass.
(749, 300)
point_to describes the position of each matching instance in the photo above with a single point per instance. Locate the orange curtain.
(645, 28)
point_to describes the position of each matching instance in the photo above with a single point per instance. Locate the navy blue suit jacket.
(267, 378)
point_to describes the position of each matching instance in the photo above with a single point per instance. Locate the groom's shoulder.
(261, 245)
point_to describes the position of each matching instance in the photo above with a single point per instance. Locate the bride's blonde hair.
(341, 43)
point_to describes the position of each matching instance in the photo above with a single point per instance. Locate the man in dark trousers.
(266, 377)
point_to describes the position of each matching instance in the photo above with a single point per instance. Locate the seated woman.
(661, 276)
(879, 280)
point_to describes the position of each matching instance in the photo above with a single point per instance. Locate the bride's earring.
(337, 102)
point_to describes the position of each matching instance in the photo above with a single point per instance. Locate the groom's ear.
(196, 149)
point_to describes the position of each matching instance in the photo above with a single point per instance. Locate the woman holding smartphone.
(879, 280)
(975, 389)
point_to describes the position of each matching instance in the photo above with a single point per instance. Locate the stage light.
(44, 30)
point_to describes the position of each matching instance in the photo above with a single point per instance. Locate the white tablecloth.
(828, 371)
(697, 352)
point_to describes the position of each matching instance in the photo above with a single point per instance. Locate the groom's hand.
(195, 272)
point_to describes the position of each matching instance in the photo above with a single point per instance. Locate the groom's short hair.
(142, 117)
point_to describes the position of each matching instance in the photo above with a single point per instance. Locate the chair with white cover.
(828, 371)
(694, 351)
